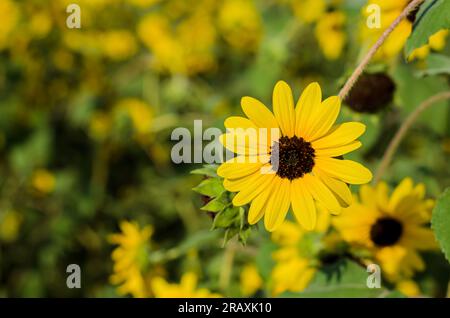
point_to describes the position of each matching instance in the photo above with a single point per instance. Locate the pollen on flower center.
(294, 157)
(386, 232)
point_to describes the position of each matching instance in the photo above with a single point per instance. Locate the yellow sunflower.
(130, 258)
(187, 288)
(393, 228)
(295, 163)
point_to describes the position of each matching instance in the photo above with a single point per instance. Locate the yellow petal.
(259, 114)
(235, 185)
(339, 188)
(338, 151)
(342, 134)
(322, 194)
(368, 196)
(249, 193)
(419, 237)
(233, 168)
(402, 190)
(243, 144)
(277, 205)
(303, 205)
(345, 170)
(308, 104)
(234, 122)
(257, 207)
(325, 118)
(283, 108)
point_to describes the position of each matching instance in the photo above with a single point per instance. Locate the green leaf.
(211, 187)
(206, 170)
(432, 17)
(436, 64)
(226, 218)
(412, 90)
(440, 222)
(217, 204)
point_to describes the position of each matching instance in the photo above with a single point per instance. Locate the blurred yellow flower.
(250, 279)
(187, 288)
(390, 10)
(9, 16)
(130, 259)
(118, 44)
(309, 11)
(408, 287)
(10, 222)
(100, 125)
(436, 42)
(295, 266)
(393, 228)
(140, 114)
(240, 24)
(330, 34)
(40, 24)
(143, 3)
(43, 180)
(186, 47)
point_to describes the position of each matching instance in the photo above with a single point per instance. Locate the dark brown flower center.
(386, 232)
(292, 157)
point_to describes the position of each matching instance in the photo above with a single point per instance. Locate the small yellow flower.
(43, 181)
(295, 267)
(187, 288)
(9, 15)
(294, 164)
(40, 24)
(309, 11)
(130, 259)
(99, 125)
(184, 46)
(330, 34)
(118, 44)
(139, 112)
(393, 228)
(240, 23)
(10, 222)
(250, 279)
(390, 10)
(143, 3)
(436, 42)
(408, 288)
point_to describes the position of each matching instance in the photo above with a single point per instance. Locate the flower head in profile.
(294, 159)
(187, 288)
(393, 228)
(130, 259)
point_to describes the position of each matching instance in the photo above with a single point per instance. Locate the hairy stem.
(395, 142)
(362, 65)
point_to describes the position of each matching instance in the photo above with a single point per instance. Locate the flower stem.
(395, 142)
(366, 59)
